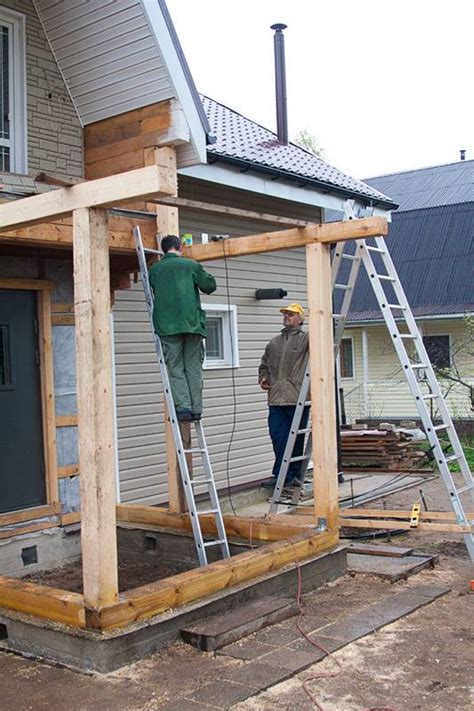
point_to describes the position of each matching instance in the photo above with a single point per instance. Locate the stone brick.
(222, 696)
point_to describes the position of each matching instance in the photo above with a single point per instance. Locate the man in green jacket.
(180, 322)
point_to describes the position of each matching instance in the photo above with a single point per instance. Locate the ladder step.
(195, 482)
(468, 487)
(152, 251)
(217, 542)
(418, 365)
(352, 257)
(299, 459)
(431, 396)
(337, 315)
(452, 458)
(307, 403)
(375, 249)
(194, 450)
(205, 512)
(397, 306)
(306, 429)
(408, 335)
(344, 287)
(437, 428)
(385, 277)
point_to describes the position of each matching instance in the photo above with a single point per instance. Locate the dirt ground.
(424, 661)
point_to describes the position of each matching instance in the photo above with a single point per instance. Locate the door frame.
(44, 288)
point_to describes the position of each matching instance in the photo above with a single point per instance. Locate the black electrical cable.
(234, 395)
(376, 488)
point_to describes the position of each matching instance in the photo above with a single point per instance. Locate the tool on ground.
(416, 366)
(189, 484)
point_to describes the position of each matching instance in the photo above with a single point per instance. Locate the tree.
(309, 142)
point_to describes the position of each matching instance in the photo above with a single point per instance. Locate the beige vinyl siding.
(142, 456)
(387, 394)
(107, 54)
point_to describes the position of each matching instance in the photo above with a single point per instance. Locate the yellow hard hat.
(294, 309)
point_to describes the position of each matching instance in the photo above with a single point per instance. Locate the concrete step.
(220, 630)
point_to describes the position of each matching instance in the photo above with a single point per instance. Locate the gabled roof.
(438, 185)
(433, 251)
(244, 142)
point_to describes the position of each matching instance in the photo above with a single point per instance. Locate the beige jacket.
(283, 364)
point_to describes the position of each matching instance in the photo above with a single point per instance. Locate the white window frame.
(228, 314)
(17, 90)
(352, 377)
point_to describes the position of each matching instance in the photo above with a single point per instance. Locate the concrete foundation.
(43, 550)
(90, 651)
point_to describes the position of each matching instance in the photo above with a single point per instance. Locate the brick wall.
(54, 131)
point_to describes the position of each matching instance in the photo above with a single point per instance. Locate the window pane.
(5, 84)
(347, 370)
(214, 338)
(5, 368)
(437, 348)
(4, 158)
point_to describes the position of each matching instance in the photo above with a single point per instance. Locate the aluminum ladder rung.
(299, 459)
(195, 482)
(216, 542)
(194, 450)
(430, 396)
(385, 277)
(397, 307)
(147, 250)
(336, 316)
(343, 287)
(350, 257)
(369, 248)
(412, 336)
(463, 489)
(444, 426)
(451, 458)
(419, 365)
(305, 431)
(206, 512)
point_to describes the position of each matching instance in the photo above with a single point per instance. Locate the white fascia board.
(182, 91)
(232, 177)
(381, 321)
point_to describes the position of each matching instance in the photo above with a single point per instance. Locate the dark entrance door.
(22, 481)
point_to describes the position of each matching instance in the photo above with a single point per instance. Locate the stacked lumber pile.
(390, 450)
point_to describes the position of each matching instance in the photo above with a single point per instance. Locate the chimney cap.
(278, 27)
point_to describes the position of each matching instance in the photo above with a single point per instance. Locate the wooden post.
(323, 406)
(95, 407)
(167, 223)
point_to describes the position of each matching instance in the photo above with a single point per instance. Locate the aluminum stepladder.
(346, 288)
(457, 485)
(202, 450)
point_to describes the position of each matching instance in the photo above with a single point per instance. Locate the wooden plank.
(321, 358)
(48, 409)
(60, 307)
(68, 518)
(288, 239)
(29, 514)
(403, 525)
(120, 163)
(123, 126)
(155, 598)
(114, 190)
(95, 407)
(59, 234)
(212, 209)
(30, 284)
(42, 601)
(66, 421)
(30, 528)
(70, 470)
(62, 320)
(394, 513)
(243, 527)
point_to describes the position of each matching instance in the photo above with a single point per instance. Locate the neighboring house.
(431, 240)
(91, 89)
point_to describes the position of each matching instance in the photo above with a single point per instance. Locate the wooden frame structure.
(287, 539)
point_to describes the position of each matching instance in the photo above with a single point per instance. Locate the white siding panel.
(99, 46)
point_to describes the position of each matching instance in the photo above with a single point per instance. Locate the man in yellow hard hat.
(281, 374)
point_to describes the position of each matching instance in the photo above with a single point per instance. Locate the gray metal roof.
(433, 251)
(438, 185)
(245, 142)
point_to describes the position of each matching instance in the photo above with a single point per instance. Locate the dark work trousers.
(280, 418)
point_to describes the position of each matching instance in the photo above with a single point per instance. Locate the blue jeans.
(280, 418)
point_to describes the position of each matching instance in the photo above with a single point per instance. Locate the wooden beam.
(288, 239)
(70, 470)
(403, 525)
(48, 409)
(42, 601)
(59, 234)
(155, 598)
(321, 358)
(114, 190)
(242, 527)
(32, 514)
(211, 209)
(393, 513)
(95, 407)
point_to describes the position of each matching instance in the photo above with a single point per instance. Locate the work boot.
(184, 415)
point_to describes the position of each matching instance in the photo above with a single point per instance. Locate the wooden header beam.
(288, 239)
(141, 184)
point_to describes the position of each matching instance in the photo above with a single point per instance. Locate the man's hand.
(264, 384)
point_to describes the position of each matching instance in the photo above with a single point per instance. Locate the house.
(103, 130)
(431, 240)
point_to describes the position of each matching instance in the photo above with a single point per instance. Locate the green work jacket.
(176, 282)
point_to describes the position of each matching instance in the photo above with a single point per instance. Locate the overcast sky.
(384, 86)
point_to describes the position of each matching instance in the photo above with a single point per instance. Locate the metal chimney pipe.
(462, 154)
(280, 82)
